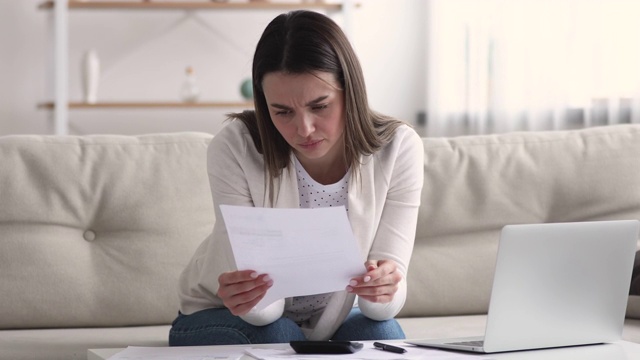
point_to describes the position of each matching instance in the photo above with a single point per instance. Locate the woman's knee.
(360, 327)
(207, 327)
(220, 327)
(207, 336)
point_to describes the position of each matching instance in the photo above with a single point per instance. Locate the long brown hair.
(304, 42)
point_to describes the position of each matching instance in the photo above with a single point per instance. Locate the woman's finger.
(232, 277)
(244, 302)
(241, 290)
(376, 270)
(381, 294)
(378, 285)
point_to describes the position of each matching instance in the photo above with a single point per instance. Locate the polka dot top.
(315, 195)
(301, 309)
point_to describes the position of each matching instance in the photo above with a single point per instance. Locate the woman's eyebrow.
(279, 106)
(310, 103)
(317, 100)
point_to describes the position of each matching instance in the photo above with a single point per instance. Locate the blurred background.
(449, 67)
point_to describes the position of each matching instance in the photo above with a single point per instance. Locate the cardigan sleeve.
(396, 230)
(231, 159)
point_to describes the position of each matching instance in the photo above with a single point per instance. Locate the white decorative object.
(190, 91)
(91, 76)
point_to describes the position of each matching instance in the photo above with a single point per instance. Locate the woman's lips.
(310, 144)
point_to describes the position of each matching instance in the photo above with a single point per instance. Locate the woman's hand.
(240, 291)
(379, 284)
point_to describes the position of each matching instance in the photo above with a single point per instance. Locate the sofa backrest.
(94, 230)
(475, 185)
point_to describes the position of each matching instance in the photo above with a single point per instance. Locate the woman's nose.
(305, 125)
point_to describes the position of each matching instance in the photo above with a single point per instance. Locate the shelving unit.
(61, 105)
(121, 105)
(193, 5)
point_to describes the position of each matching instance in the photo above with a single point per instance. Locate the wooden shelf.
(131, 105)
(194, 5)
(60, 10)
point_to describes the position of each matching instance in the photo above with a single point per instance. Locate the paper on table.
(236, 353)
(304, 251)
(368, 352)
(177, 353)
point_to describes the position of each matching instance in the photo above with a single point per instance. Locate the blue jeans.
(220, 327)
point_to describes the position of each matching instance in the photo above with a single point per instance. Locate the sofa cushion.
(475, 185)
(96, 229)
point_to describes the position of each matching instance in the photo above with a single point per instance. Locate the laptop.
(556, 285)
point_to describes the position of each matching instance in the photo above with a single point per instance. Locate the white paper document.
(304, 251)
(178, 353)
(367, 353)
(285, 352)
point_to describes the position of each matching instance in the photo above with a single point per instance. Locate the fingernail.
(367, 278)
(253, 275)
(353, 283)
(349, 289)
(270, 283)
(266, 278)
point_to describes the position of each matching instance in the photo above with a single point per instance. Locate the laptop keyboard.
(468, 343)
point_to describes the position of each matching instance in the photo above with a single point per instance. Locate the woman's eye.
(282, 112)
(319, 107)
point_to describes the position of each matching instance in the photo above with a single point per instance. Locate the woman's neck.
(325, 171)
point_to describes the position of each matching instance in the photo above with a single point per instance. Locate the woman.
(312, 137)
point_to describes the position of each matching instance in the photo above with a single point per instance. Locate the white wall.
(140, 61)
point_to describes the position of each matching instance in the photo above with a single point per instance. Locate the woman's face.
(308, 110)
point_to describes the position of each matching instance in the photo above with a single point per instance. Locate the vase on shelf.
(90, 76)
(189, 91)
(246, 89)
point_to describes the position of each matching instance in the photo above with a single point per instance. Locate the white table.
(622, 350)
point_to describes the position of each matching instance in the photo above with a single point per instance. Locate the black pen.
(389, 348)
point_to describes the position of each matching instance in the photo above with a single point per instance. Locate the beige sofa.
(94, 230)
